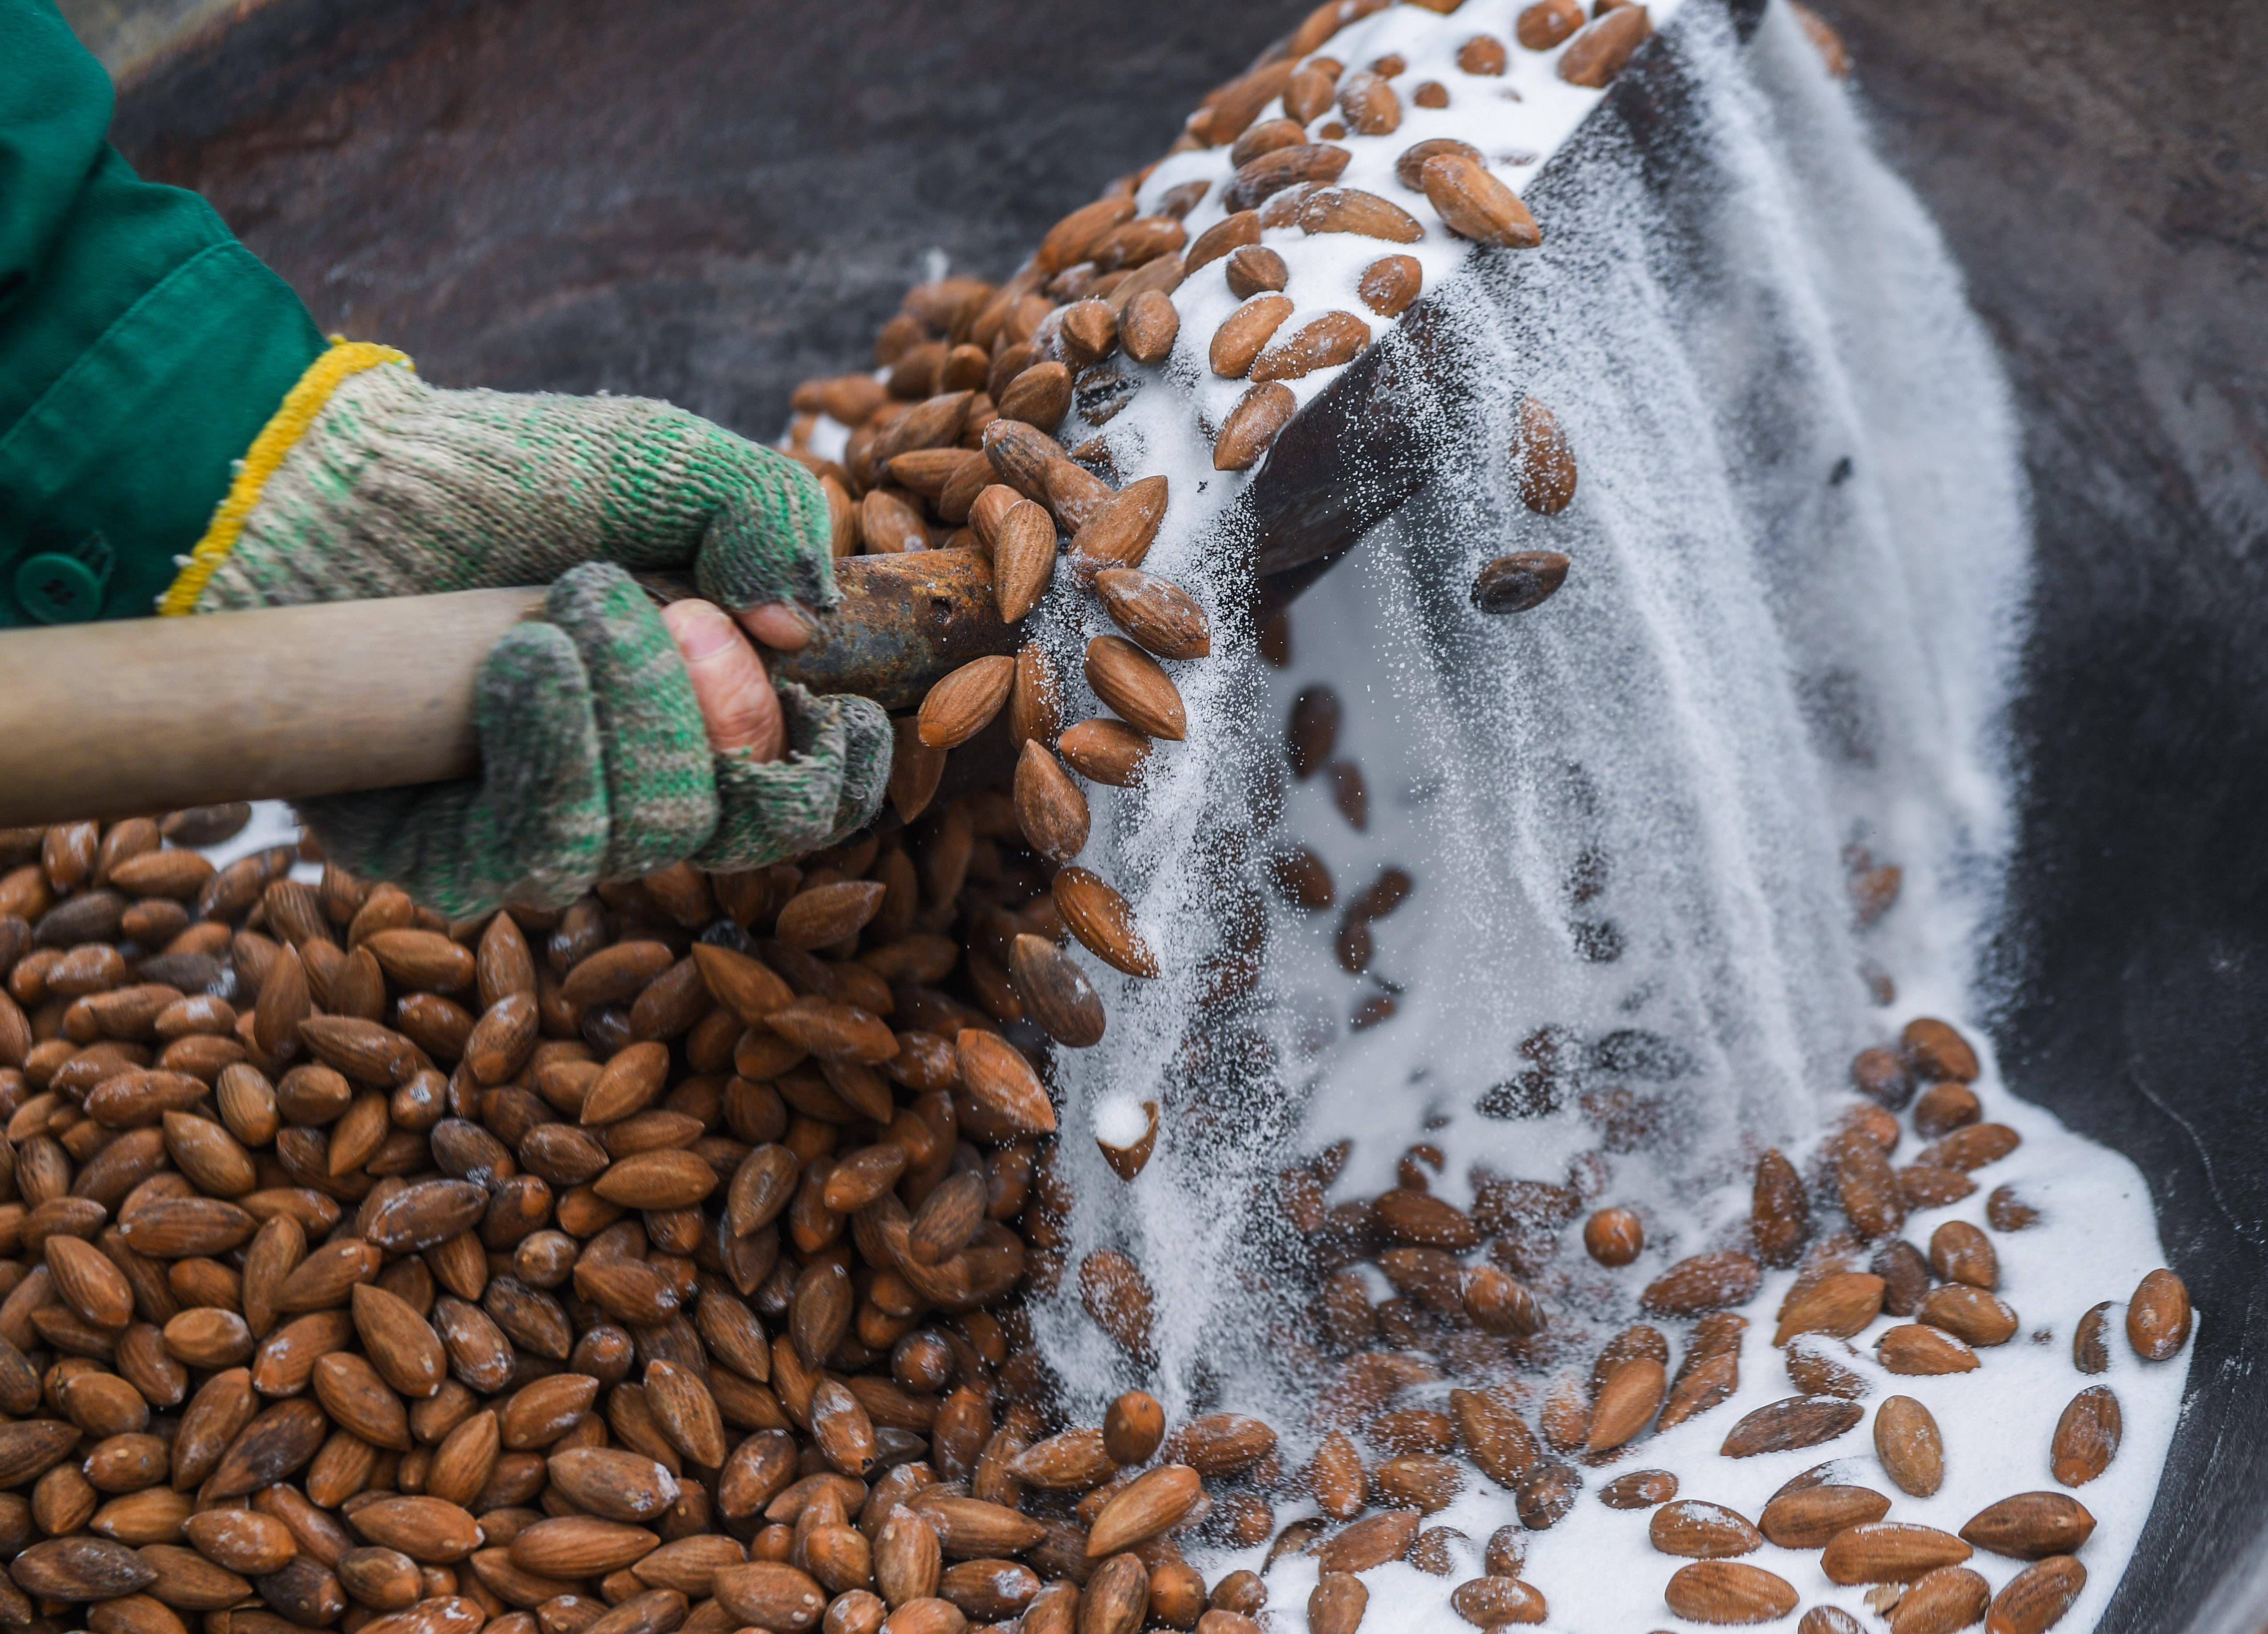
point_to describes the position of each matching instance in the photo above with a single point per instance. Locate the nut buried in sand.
(1128, 1134)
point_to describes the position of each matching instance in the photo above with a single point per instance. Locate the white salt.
(1120, 1120)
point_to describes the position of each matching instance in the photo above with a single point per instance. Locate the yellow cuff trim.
(301, 404)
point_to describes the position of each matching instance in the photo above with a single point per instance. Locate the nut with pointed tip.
(2158, 1317)
(1909, 1445)
(1597, 54)
(1119, 531)
(1626, 1403)
(1035, 700)
(1114, 1292)
(1105, 751)
(1474, 204)
(1129, 1153)
(1370, 106)
(1133, 1427)
(1023, 560)
(995, 1074)
(1242, 334)
(1160, 615)
(1517, 582)
(1366, 215)
(1103, 920)
(2036, 1599)
(1252, 426)
(1057, 995)
(1728, 1592)
(1049, 808)
(963, 704)
(2086, 1435)
(1323, 342)
(1039, 396)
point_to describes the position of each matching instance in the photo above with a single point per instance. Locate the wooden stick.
(148, 715)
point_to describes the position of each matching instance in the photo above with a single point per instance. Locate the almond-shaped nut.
(1024, 566)
(1410, 166)
(2036, 1599)
(1137, 242)
(1597, 54)
(1369, 102)
(915, 769)
(1049, 808)
(1702, 1283)
(1309, 91)
(1807, 1517)
(1149, 326)
(1160, 615)
(1969, 1314)
(1133, 685)
(995, 1074)
(2030, 1525)
(1798, 1421)
(1323, 342)
(1390, 283)
(1840, 1305)
(1225, 237)
(1970, 1148)
(1909, 1445)
(1040, 395)
(962, 703)
(1252, 426)
(1350, 209)
(1104, 750)
(1271, 173)
(1102, 921)
(1728, 1592)
(1626, 1403)
(824, 915)
(1492, 1602)
(1474, 204)
(1071, 239)
(1546, 461)
(1119, 533)
(2158, 1317)
(1941, 1601)
(1245, 331)
(1127, 1157)
(1035, 700)
(1547, 23)
(1088, 331)
(1370, 1541)
(1056, 992)
(1256, 269)
(1889, 1551)
(1700, 1531)
(1917, 1348)
(2086, 1435)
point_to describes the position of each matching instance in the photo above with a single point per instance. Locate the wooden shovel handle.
(148, 715)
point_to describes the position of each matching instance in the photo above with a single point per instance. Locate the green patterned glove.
(595, 761)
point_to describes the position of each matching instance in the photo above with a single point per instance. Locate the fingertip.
(738, 704)
(700, 629)
(780, 625)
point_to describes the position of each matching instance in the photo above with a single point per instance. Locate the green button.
(59, 589)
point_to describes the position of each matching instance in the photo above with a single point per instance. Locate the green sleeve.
(142, 348)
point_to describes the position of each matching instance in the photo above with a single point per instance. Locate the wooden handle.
(148, 715)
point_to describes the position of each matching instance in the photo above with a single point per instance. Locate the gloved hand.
(596, 761)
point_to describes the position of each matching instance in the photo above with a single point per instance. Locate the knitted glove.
(595, 761)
